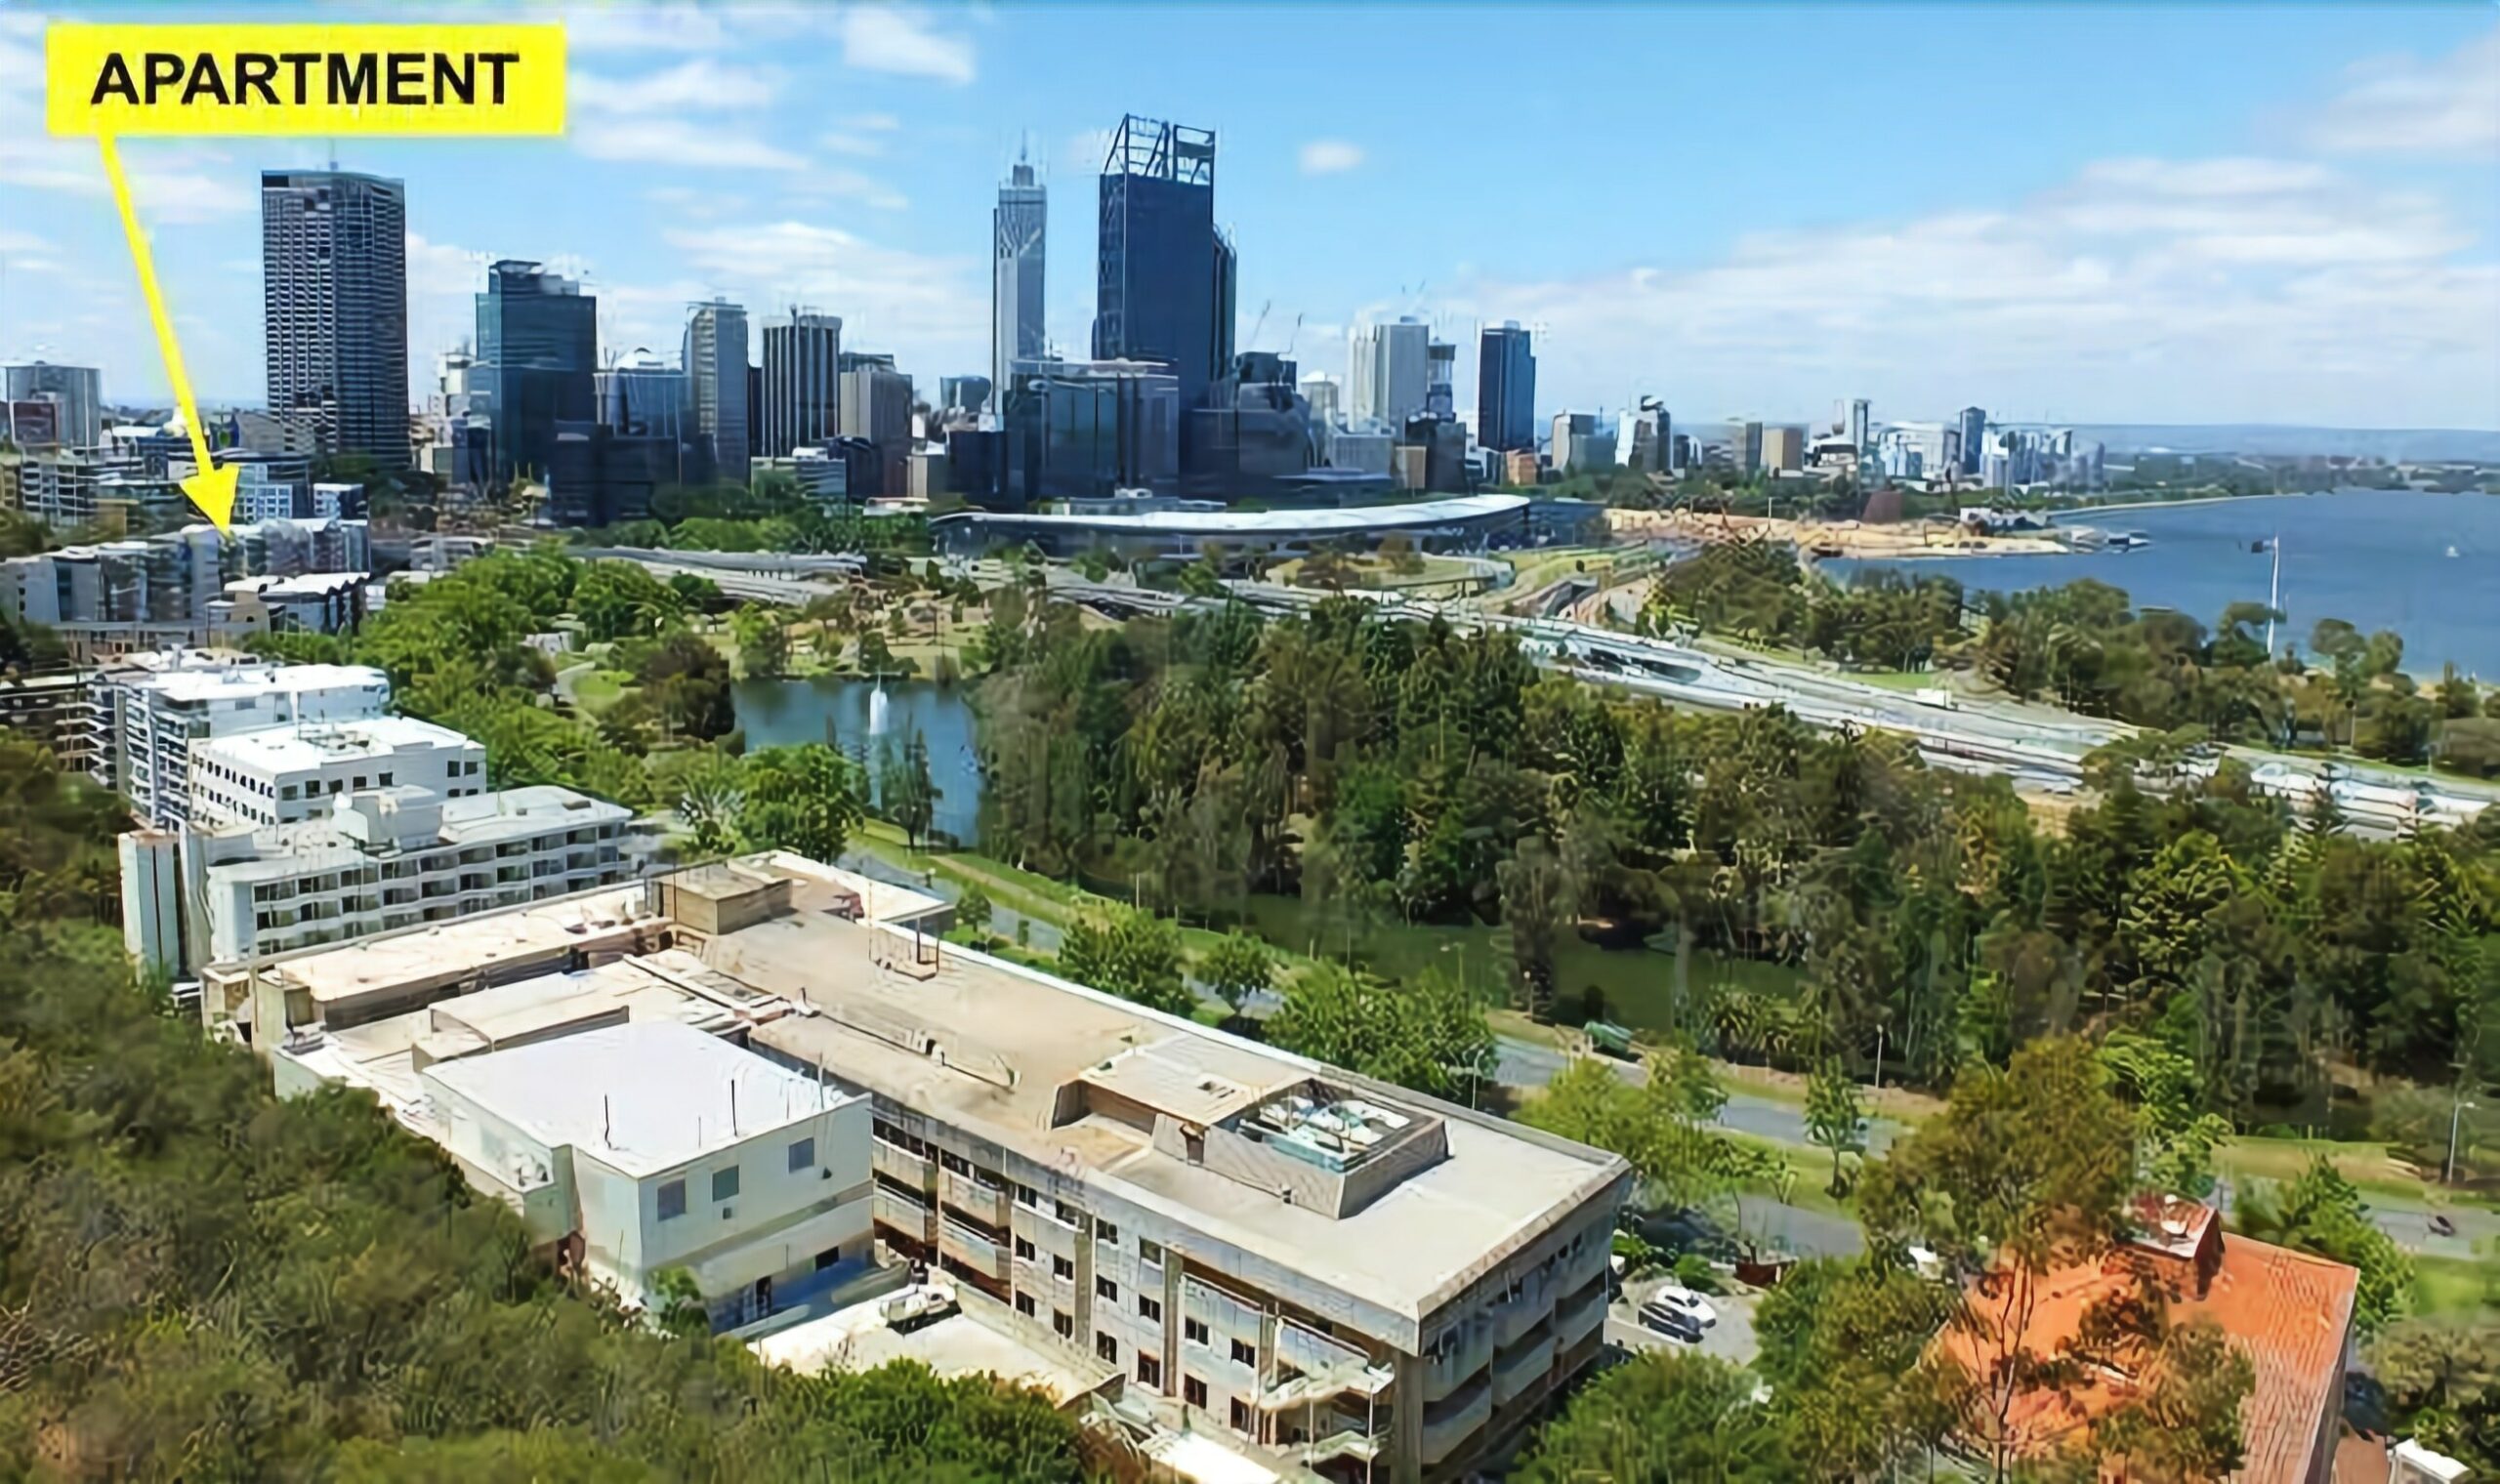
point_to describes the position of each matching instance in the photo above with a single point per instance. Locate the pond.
(849, 715)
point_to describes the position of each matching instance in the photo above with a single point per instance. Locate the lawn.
(2456, 1287)
(600, 689)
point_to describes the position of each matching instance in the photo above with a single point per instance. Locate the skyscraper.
(876, 405)
(1975, 437)
(537, 355)
(1505, 389)
(1164, 274)
(802, 401)
(715, 363)
(1389, 372)
(1860, 431)
(1744, 446)
(1017, 229)
(334, 303)
(76, 392)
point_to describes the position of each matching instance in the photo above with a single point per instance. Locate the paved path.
(1524, 1063)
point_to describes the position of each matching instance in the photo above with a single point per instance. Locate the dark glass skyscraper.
(1505, 389)
(1163, 274)
(537, 354)
(334, 306)
(1975, 437)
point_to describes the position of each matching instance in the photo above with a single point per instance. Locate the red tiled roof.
(2291, 1314)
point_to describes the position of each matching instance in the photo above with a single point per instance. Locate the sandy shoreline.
(1908, 540)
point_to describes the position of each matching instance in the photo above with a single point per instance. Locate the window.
(1194, 1331)
(955, 1162)
(1104, 1231)
(386, 780)
(1027, 1196)
(724, 1183)
(803, 1154)
(1150, 1309)
(1106, 1346)
(1024, 1304)
(1104, 1288)
(1024, 1249)
(828, 1257)
(1062, 1267)
(1244, 1353)
(1150, 1371)
(360, 783)
(1060, 1322)
(1240, 1414)
(1193, 1390)
(1149, 1252)
(672, 1200)
(1066, 1213)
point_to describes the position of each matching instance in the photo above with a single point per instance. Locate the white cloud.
(931, 310)
(697, 85)
(861, 144)
(872, 123)
(2448, 105)
(886, 38)
(1330, 156)
(678, 27)
(664, 141)
(1087, 148)
(825, 182)
(2220, 290)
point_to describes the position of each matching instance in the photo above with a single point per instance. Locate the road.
(1523, 1063)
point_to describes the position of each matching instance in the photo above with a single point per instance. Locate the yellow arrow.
(212, 488)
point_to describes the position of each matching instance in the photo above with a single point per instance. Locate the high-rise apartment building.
(1388, 374)
(1744, 446)
(144, 714)
(75, 392)
(1164, 274)
(1017, 226)
(802, 382)
(1854, 424)
(1975, 437)
(716, 407)
(334, 300)
(1505, 389)
(537, 354)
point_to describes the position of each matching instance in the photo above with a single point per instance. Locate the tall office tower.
(537, 354)
(1441, 378)
(1505, 389)
(1647, 441)
(1390, 373)
(1975, 437)
(1163, 280)
(1744, 446)
(77, 391)
(1854, 424)
(643, 394)
(715, 363)
(876, 405)
(334, 301)
(1320, 392)
(802, 404)
(1016, 227)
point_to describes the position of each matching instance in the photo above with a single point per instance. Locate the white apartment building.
(653, 1146)
(382, 859)
(1352, 1277)
(286, 774)
(144, 714)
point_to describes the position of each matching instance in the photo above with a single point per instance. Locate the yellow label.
(304, 79)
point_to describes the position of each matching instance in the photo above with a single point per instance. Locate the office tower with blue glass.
(1164, 274)
(1505, 389)
(537, 364)
(716, 402)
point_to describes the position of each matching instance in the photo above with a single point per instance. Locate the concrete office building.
(876, 405)
(1505, 389)
(1647, 440)
(1164, 275)
(144, 713)
(715, 403)
(378, 861)
(802, 381)
(1389, 372)
(1347, 1274)
(1327, 409)
(1744, 446)
(74, 393)
(1018, 234)
(1783, 448)
(334, 294)
(537, 353)
(287, 774)
(1850, 420)
(1579, 443)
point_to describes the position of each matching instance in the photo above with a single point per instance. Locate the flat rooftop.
(283, 852)
(234, 682)
(642, 1097)
(1213, 523)
(857, 1339)
(394, 964)
(311, 744)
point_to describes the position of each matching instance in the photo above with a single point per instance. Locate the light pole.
(2449, 1178)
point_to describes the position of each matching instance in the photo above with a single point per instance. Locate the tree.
(763, 643)
(1845, 1348)
(1426, 1035)
(2322, 1213)
(1239, 966)
(2184, 1428)
(905, 791)
(972, 912)
(1834, 1116)
(2442, 1382)
(805, 799)
(1536, 912)
(1132, 954)
(1664, 1416)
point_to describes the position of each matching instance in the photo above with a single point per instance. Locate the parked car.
(1670, 1321)
(1691, 1306)
(2443, 1227)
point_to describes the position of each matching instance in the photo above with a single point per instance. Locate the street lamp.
(2454, 1114)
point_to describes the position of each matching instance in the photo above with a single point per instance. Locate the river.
(780, 713)
(2425, 565)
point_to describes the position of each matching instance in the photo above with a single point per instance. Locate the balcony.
(1450, 1430)
(1518, 1316)
(1516, 1372)
(898, 1164)
(1463, 1359)
(1579, 1313)
(901, 1213)
(974, 1251)
(1348, 1442)
(985, 1204)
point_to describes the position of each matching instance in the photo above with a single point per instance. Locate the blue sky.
(2108, 214)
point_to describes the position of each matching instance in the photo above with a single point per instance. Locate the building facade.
(76, 393)
(1389, 372)
(1973, 428)
(715, 403)
(1018, 229)
(287, 774)
(334, 289)
(144, 713)
(537, 353)
(1505, 389)
(1164, 274)
(802, 405)
(1084, 430)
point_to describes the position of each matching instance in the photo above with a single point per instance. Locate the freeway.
(774, 577)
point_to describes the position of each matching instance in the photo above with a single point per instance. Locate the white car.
(1685, 1302)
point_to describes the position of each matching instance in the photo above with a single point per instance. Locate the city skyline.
(2294, 227)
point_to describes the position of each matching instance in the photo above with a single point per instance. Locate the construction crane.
(1258, 324)
(1296, 335)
